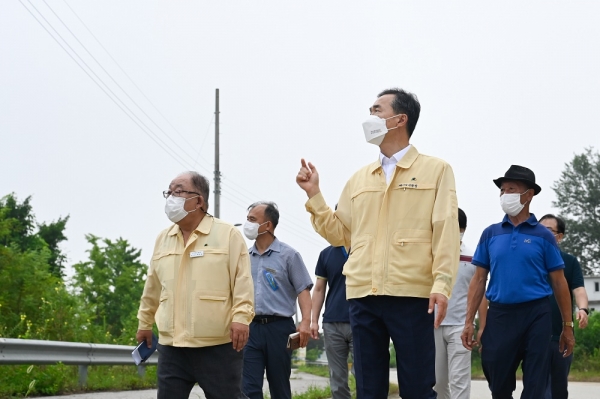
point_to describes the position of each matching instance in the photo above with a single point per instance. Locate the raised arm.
(332, 226)
(308, 178)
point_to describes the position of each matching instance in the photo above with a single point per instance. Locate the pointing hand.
(308, 178)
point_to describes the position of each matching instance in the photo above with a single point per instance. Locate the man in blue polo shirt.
(336, 319)
(519, 254)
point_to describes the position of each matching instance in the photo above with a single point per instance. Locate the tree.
(111, 284)
(18, 230)
(578, 199)
(34, 302)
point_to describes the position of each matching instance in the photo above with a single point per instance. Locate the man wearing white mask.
(280, 277)
(199, 292)
(521, 257)
(399, 216)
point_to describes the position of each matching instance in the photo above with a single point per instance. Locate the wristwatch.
(568, 323)
(586, 310)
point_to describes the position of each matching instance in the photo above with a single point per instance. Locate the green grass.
(584, 370)
(19, 381)
(323, 371)
(313, 393)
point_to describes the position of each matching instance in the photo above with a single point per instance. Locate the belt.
(267, 319)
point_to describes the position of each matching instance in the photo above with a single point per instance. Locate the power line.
(297, 221)
(101, 88)
(203, 141)
(127, 75)
(94, 73)
(306, 233)
(310, 239)
(113, 79)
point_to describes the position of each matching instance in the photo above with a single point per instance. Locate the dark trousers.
(266, 349)
(217, 370)
(559, 373)
(376, 319)
(513, 334)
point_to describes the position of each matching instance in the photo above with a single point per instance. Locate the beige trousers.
(452, 364)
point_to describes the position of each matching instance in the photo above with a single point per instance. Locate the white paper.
(136, 356)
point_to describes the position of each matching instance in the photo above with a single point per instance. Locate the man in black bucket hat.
(519, 254)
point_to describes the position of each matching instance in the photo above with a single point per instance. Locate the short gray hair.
(271, 211)
(200, 183)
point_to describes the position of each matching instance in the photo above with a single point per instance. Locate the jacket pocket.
(410, 258)
(359, 266)
(164, 313)
(164, 265)
(212, 266)
(211, 314)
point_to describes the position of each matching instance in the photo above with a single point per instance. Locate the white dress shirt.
(389, 164)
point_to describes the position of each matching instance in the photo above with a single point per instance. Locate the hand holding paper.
(293, 341)
(142, 352)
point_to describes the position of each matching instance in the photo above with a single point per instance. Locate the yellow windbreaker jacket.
(403, 236)
(194, 292)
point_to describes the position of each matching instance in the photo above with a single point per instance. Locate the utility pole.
(217, 170)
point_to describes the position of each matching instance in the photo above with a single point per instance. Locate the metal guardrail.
(29, 351)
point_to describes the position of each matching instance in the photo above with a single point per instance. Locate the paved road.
(301, 382)
(479, 389)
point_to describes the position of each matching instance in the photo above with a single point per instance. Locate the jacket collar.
(203, 228)
(406, 162)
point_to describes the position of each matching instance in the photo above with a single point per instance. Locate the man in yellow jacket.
(398, 217)
(199, 290)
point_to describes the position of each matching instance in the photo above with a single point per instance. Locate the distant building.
(592, 287)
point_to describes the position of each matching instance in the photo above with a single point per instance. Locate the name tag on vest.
(196, 254)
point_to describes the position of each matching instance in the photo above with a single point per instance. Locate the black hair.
(271, 211)
(462, 219)
(405, 103)
(560, 223)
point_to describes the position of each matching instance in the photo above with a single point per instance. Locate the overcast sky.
(499, 83)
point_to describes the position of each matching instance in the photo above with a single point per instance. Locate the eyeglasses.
(554, 232)
(177, 193)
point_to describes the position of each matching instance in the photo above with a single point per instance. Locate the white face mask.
(251, 230)
(461, 236)
(375, 129)
(174, 208)
(511, 203)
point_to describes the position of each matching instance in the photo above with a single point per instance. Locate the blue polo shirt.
(519, 260)
(329, 267)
